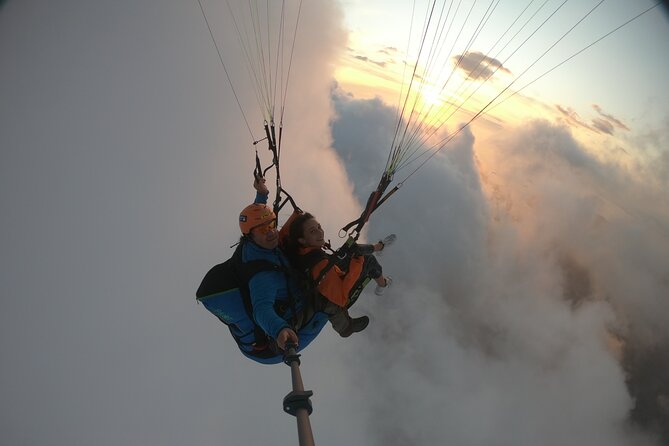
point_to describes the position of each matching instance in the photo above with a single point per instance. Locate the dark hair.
(295, 232)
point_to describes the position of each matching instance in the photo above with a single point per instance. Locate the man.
(278, 303)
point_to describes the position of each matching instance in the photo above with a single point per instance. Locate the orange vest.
(336, 285)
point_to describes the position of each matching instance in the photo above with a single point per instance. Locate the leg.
(338, 316)
(342, 322)
(373, 269)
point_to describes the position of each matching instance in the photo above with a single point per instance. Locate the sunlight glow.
(433, 96)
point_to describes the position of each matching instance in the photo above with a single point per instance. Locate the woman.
(339, 285)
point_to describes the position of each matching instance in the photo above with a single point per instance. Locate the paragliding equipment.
(297, 402)
(267, 41)
(418, 125)
(275, 148)
(414, 135)
(268, 37)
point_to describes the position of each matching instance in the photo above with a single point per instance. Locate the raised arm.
(262, 192)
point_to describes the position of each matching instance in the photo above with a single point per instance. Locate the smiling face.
(312, 234)
(266, 236)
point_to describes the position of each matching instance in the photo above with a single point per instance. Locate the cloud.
(662, 167)
(389, 50)
(361, 131)
(367, 59)
(610, 119)
(129, 191)
(385, 56)
(608, 203)
(477, 65)
(652, 143)
(515, 265)
(114, 209)
(571, 118)
(604, 123)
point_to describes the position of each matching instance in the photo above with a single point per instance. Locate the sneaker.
(388, 240)
(355, 325)
(382, 289)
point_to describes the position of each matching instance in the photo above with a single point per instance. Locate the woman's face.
(312, 234)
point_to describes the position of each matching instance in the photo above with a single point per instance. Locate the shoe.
(355, 325)
(382, 289)
(388, 240)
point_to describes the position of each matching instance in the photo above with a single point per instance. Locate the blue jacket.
(269, 294)
(269, 290)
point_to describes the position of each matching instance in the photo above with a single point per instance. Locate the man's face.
(266, 236)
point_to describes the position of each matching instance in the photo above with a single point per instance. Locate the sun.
(432, 96)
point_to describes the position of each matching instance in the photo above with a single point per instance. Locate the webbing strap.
(258, 172)
(375, 200)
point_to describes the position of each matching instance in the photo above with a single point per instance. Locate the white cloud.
(506, 293)
(125, 161)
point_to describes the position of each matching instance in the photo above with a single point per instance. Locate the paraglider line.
(572, 56)
(220, 58)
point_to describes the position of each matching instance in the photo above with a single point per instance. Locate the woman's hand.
(388, 240)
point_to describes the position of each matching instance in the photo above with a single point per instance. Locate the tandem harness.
(224, 291)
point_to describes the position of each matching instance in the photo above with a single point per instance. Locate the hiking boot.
(355, 325)
(380, 290)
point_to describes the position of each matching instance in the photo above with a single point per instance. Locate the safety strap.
(375, 200)
(310, 259)
(341, 257)
(259, 172)
(287, 271)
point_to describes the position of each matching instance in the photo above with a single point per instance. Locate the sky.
(530, 272)
(593, 76)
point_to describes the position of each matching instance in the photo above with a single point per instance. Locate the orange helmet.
(255, 215)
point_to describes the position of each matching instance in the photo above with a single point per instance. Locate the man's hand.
(259, 185)
(286, 335)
